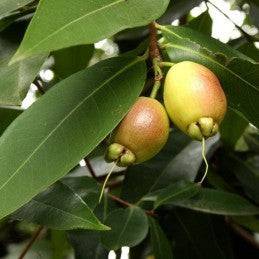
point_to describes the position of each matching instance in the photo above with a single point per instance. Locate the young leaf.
(176, 192)
(160, 243)
(85, 22)
(128, 228)
(238, 73)
(64, 207)
(218, 202)
(63, 126)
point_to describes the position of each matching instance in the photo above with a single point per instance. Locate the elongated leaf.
(176, 192)
(86, 21)
(232, 128)
(202, 23)
(160, 244)
(17, 78)
(63, 126)
(7, 6)
(218, 202)
(7, 115)
(128, 228)
(71, 60)
(238, 74)
(197, 235)
(61, 207)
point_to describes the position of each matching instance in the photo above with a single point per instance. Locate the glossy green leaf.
(250, 50)
(238, 73)
(61, 207)
(218, 202)
(128, 228)
(176, 192)
(7, 6)
(87, 22)
(71, 60)
(7, 115)
(180, 159)
(159, 241)
(202, 23)
(63, 126)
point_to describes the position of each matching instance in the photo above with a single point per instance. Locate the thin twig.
(127, 204)
(248, 37)
(29, 245)
(90, 168)
(242, 233)
(154, 51)
(155, 56)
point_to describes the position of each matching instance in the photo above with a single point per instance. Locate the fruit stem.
(166, 64)
(106, 180)
(205, 160)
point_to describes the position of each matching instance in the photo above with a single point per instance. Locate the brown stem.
(29, 245)
(127, 204)
(90, 168)
(242, 233)
(154, 51)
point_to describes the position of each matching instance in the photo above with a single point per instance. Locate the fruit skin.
(194, 99)
(144, 130)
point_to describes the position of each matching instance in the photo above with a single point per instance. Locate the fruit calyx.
(120, 154)
(205, 127)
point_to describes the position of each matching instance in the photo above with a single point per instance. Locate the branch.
(154, 54)
(29, 245)
(242, 233)
(127, 204)
(90, 168)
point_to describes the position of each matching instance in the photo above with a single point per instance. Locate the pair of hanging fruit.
(194, 101)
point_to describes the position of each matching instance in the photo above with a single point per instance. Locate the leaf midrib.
(205, 56)
(74, 21)
(212, 60)
(65, 118)
(67, 213)
(174, 194)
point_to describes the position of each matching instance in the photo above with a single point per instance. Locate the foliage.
(156, 208)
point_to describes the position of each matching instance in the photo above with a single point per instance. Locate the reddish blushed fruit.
(141, 134)
(194, 99)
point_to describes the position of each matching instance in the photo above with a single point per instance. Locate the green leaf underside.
(238, 73)
(54, 135)
(160, 244)
(218, 202)
(60, 207)
(7, 6)
(84, 22)
(128, 228)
